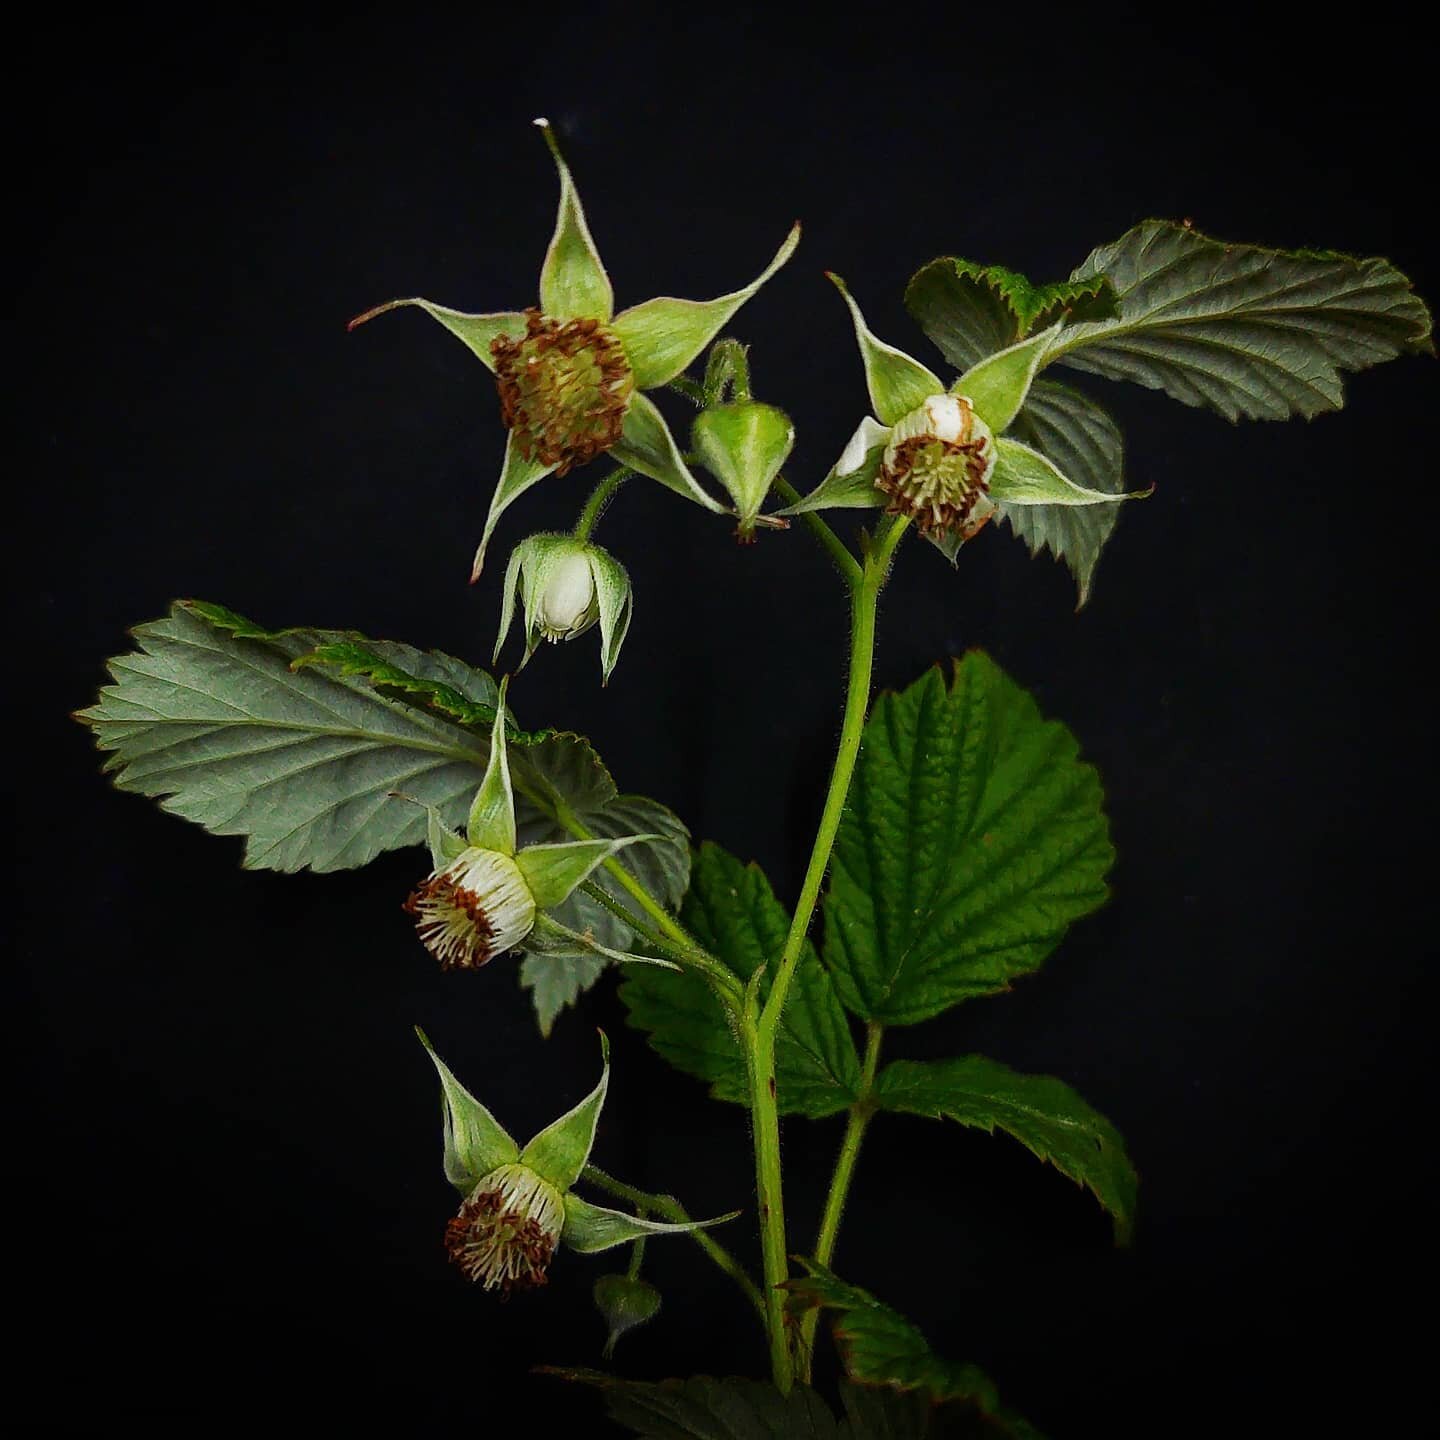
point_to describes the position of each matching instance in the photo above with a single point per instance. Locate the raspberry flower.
(571, 372)
(566, 586)
(517, 1207)
(486, 896)
(941, 456)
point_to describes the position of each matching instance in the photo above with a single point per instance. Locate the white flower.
(476, 907)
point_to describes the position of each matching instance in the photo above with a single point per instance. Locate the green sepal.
(617, 604)
(475, 332)
(573, 282)
(1023, 476)
(445, 844)
(517, 475)
(998, 385)
(559, 1152)
(624, 1302)
(491, 825)
(475, 1141)
(550, 937)
(591, 1228)
(647, 445)
(897, 382)
(662, 336)
(850, 485)
(515, 578)
(744, 445)
(553, 871)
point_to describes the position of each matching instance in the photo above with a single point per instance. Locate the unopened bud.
(744, 446)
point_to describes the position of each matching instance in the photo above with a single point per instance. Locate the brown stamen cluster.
(498, 1246)
(564, 389)
(452, 923)
(938, 482)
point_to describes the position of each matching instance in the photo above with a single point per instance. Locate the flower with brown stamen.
(936, 467)
(506, 1232)
(476, 907)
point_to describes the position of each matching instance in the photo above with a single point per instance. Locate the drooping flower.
(566, 586)
(941, 456)
(487, 895)
(571, 373)
(517, 1205)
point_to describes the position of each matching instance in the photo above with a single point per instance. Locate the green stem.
(859, 1121)
(760, 1031)
(839, 551)
(770, 1194)
(673, 1210)
(600, 497)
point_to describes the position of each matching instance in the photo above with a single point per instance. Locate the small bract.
(518, 1206)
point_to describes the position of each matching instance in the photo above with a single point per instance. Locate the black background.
(234, 1177)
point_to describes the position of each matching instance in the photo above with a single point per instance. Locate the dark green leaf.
(703, 1408)
(732, 911)
(1081, 438)
(878, 1346)
(970, 311)
(1043, 1113)
(972, 838)
(1250, 332)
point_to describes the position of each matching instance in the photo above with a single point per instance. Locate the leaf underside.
(732, 911)
(972, 838)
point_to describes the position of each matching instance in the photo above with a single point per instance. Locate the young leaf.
(1042, 1113)
(732, 911)
(1252, 333)
(1082, 439)
(973, 837)
(878, 1346)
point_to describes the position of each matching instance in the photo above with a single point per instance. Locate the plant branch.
(671, 1209)
(600, 497)
(839, 550)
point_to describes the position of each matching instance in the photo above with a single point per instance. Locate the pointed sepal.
(662, 336)
(1023, 476)
(851, 484)
(573, 282)
(559, 1152)
(897, 381)
(475, 332)
(517, 475)
(491, 825)
(553, 872)
(550, 937)
(591, 1228)
(475, 1141)
(998, 385)
(647, 445)
(617, 603)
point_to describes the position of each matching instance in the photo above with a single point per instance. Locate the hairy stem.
(671, 1209)
(770, 1195)
(837, 548)
(859, 1121)
(600, 497)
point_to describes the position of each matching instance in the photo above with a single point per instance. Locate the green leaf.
(1250, 332)
(1080, 437)
(1043, 1113)
(732, 911)
(878, 1346)
(703, 1408)
(971, 311)
(897, 382)
(972, 838)
(297, 739)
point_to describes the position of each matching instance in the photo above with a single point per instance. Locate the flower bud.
(506, 1232)
(624, 1301)
(566, 586)
(476, 907)
(744, 445)
(937, 466)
